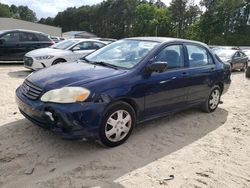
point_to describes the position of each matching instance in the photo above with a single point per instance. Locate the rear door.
(237, 61)
(28, 42)
(83, 48)
(244, 59)
(202, 73)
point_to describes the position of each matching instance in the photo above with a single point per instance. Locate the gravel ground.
(199, 149)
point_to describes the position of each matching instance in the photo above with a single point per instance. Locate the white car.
(65, 51)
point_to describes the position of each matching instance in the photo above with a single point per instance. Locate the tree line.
(18, 12)
(221, 22)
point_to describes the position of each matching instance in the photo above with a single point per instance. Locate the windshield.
(226, 54)
(124, 53)
(64, 45)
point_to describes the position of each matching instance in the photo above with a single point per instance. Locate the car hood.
(71, 74)
(45, 51)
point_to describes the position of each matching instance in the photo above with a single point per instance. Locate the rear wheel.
(117, 124)
(213, 100)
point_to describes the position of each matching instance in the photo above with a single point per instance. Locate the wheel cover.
(118, 126)
(214, 99)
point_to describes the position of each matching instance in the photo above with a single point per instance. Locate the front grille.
(30, 90)
(28, 61)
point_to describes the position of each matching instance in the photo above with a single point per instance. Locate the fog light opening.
(50, 115)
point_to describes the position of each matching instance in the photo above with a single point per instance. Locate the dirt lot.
(199, 149)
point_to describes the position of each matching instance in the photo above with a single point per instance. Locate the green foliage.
(5, 11)
(221, 22)
(24, 13)
(151, 20)
(20, 12)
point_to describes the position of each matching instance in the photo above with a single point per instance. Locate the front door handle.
(184, 74)
(165, 81)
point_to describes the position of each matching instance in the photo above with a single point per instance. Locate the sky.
(46, 8)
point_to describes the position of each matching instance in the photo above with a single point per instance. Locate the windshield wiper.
(105, 64)
(84, 59)
(99, 63)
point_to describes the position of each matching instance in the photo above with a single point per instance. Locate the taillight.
(51, 42)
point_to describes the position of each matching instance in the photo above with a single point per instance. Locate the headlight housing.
(44, 57)
(66, 95)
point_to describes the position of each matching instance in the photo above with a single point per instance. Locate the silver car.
(65, 51)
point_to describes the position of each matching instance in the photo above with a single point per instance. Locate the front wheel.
(57, 61)
(117, 124)
(213, 100)
(248, 72)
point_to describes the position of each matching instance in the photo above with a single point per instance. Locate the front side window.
(124, 53)
(198, 56)
(11, 37)
(173, 55)
(43, 37)
(98, 45)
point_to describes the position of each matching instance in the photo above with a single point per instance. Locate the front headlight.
(66, 95)
(44, 57)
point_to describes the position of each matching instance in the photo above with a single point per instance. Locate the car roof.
(166, 39)
(23, 30)
(83, 39)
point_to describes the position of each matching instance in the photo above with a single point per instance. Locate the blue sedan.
(105, 94)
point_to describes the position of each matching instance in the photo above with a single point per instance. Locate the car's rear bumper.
(71, 121)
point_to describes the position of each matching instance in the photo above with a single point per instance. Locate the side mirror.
(157, 67)
(76, 48)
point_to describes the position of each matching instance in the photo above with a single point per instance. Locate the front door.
(167, 91)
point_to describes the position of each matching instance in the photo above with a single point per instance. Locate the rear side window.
(43, 37)
(85, 46)
(173, 55)
(98, 45)
(28, 37)
(198, 56)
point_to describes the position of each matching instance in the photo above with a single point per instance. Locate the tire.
(57, 61)
(213, 100)
(248, 72)
(115, 130)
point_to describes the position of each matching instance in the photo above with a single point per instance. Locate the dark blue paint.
(152, 95)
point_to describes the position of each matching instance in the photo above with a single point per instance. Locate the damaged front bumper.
(71, 121)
